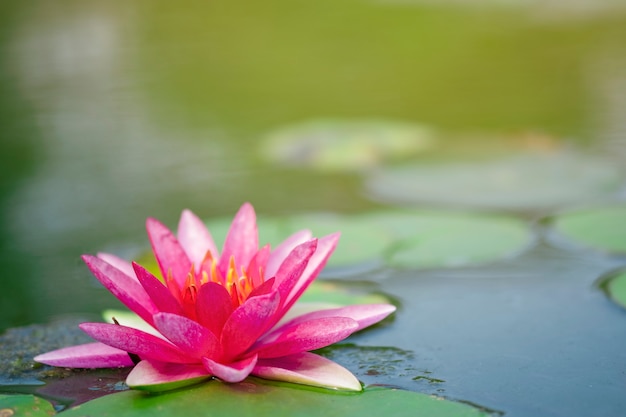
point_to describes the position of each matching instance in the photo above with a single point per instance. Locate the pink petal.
(233, 372)
(213, 307)
(117, 262)
(135, 341)
(247, 323)
(195, 238)
(300, 309)
(294, 265)
(364, 314)
(168, 251)
(159, 376)
(90, 355)
(281, 252)
(191, 337)
(157, 291)
(309, 335)
(325, 248)
(242, 240)
(309, 369)
(263, 289)
(256, 267)
(126, 289)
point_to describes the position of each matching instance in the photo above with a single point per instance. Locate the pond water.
(113, 112)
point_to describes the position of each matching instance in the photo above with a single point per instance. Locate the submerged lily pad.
(615, 287)
(20, 344)
(600, 228)
(529, 181)
(257, 398)
(25, 405)
(336, 145)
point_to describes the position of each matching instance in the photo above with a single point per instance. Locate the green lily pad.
(422, 239)
(600, 228)
(529, 181)
(615, 287)
(459, 240)
(258, 398)
(25, 405)
(336, 145)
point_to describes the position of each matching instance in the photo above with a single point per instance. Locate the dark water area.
(111, 112)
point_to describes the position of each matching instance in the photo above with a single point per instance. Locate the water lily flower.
(226, 316)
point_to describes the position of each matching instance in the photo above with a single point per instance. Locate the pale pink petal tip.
(195, 238)
(158, 376)
(308, 369)
(90, 355)
(117, 262)
(242, 239)
(233, 372)
(364, 314)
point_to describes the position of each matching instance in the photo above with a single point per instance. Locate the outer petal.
(297, 260)
(325, 247)
(130, 319)
(300, 309)
(135, 341)
(242, 240)
(157, 291)
(233, 372)
(126, 289)
(191, 337)
(119, 263)
(90, 355)
(213, 307)
(308, 335)
(195, 238)
(158, 376)
(247, 323)
(168, 251)
(309, 369)
(281, 252)
(364, 314)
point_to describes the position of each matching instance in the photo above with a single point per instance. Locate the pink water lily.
(218, 315)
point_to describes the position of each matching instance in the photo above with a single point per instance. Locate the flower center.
(239, 283)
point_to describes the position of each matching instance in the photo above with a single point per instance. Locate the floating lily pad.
(336, 145)
(259, 399)
(25, 405)
(600, 228)
(453, 241)
(529, 181)
(615, 288)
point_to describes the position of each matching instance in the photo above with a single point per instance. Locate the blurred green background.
(115, 111)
